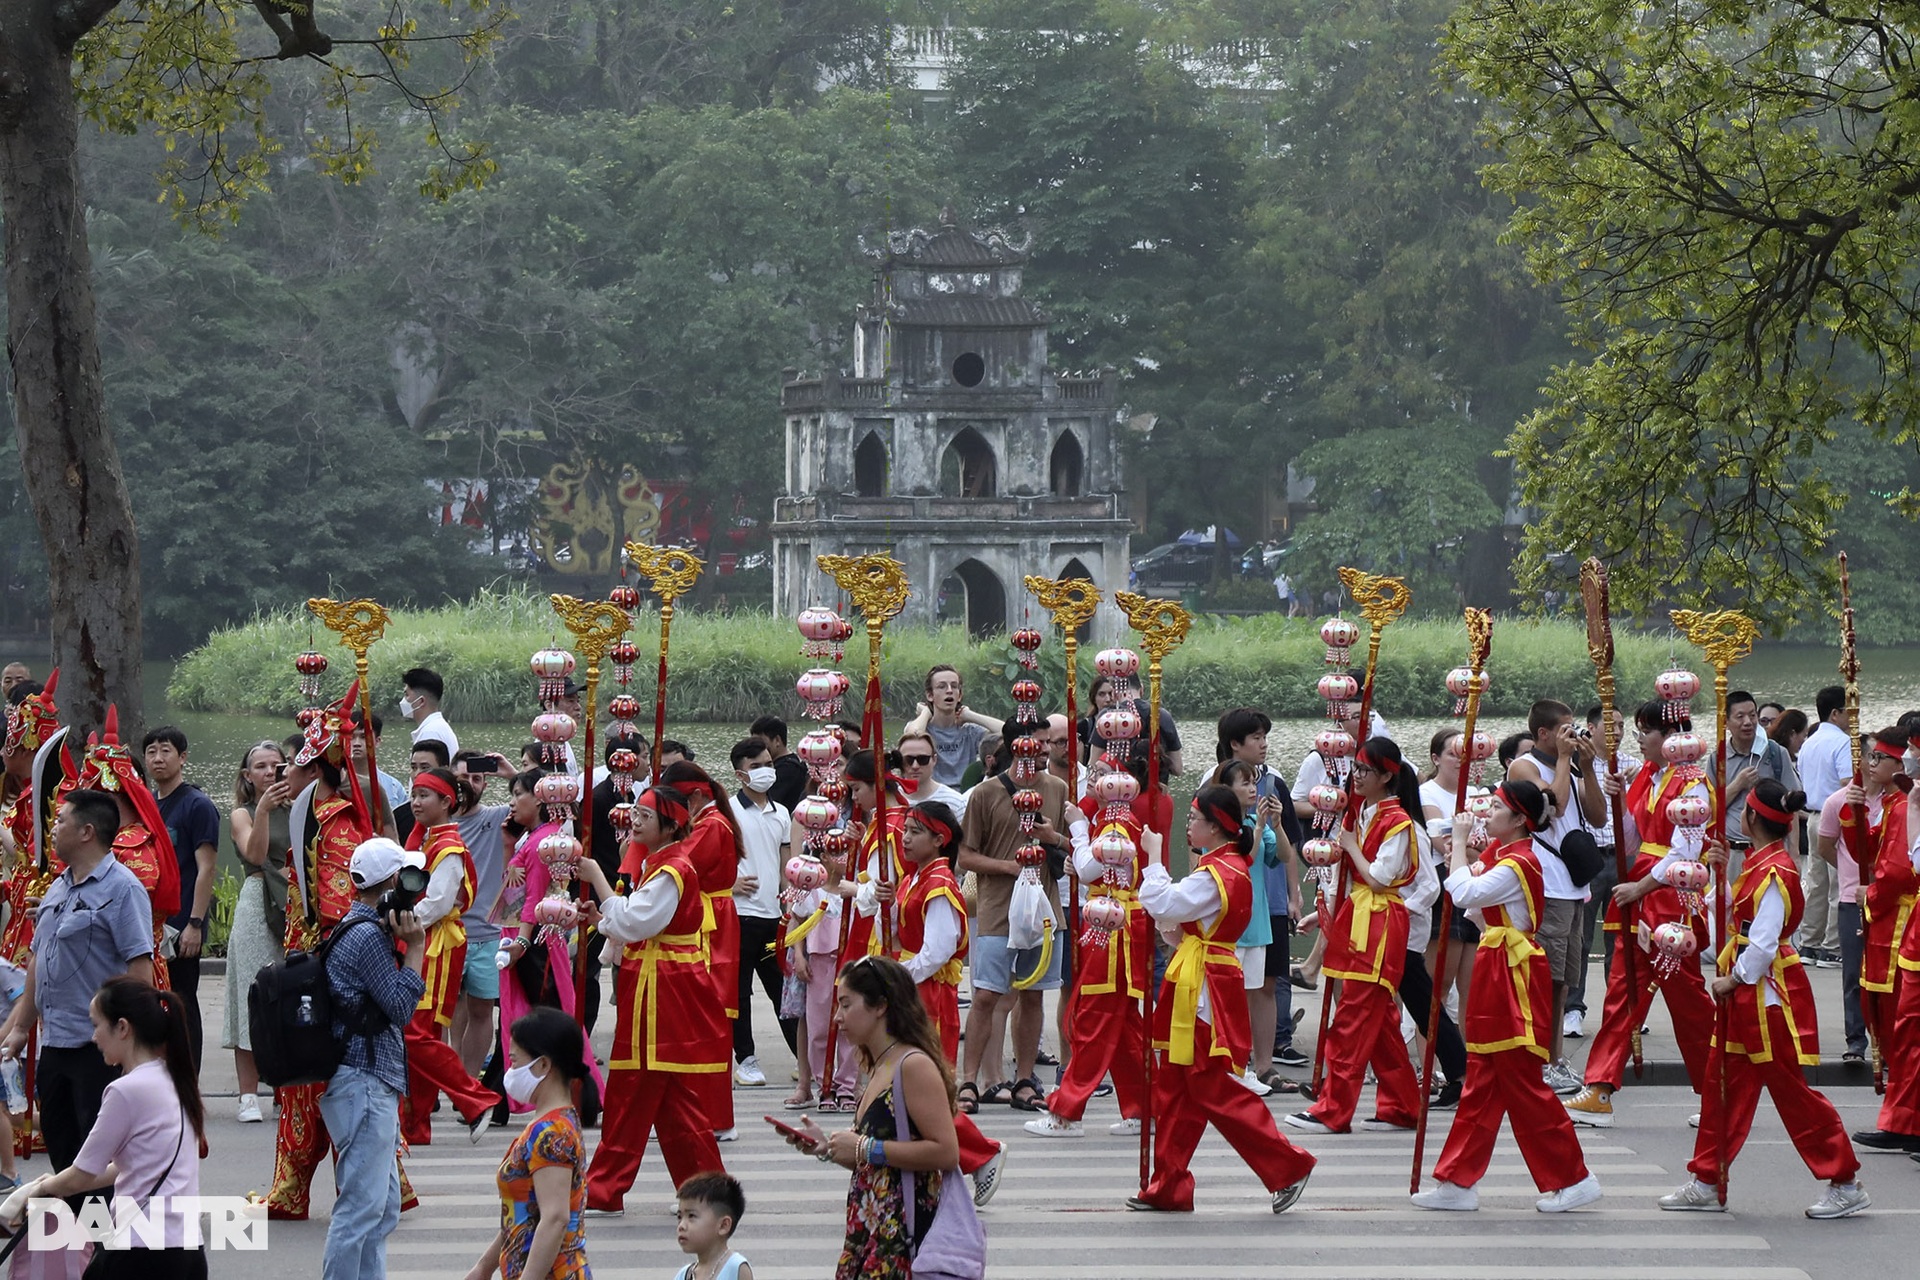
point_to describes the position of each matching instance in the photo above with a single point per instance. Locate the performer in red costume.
(1509, 1019)
(31, 861)
(1771, 1027)
(712, 846)
(863, 936)
(433, 1066)
(1200, 1027)
(1887, 902)
(1110, 977)
(1367, 948)
(143, 845)
(1654, 904)
(671, 1029)
(338, 819)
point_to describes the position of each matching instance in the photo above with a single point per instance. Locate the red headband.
(1778, 817)
(1218, 817)
(1891, 752)
(440, 786)
(672, 810)
(933, 824)
(1375, 763)
(1508, 798)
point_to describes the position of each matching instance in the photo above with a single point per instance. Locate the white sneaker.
(1253, 1083)
(1573, 1026)
(1124, 1129)
(748, 1074)
(986, 1179)
(1308, 1121)
(249, 1112)
(1445, 1195)
(1840, 1202)
(1693, 1121)
(1695, 1197)
(1052, 1126)
(1562, 1078)
(1584, 1192)
(725, 1135)
(1374, 1124)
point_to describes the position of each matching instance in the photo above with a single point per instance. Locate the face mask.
(406, 708)
(761, 779)
(520, 1082)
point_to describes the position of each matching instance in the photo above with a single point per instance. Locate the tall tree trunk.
(68, 461)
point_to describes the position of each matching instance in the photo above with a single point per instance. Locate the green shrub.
(736, 665)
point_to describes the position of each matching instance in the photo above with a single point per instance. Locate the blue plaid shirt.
(362, 966)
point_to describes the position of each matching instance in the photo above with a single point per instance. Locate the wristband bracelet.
(878, 1155)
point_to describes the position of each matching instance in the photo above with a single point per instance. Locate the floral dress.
(552, 1139)
(877, 1247)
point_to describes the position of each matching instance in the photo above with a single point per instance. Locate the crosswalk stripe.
(1380, 1270)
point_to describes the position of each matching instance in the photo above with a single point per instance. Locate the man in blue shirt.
(362, 1103)
(193, 824)
(94, 924)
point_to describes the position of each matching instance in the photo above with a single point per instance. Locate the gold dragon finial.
(877, 584)
(1071, 601)
(671, 571)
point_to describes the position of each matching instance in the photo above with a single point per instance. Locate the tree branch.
(72, 19)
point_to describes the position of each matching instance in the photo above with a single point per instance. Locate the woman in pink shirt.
(149, 1138)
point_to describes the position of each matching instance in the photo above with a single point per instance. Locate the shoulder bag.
(955, 1247)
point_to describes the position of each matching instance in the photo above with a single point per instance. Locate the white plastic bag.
(1030, 913)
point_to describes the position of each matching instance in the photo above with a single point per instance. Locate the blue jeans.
(363, 1119)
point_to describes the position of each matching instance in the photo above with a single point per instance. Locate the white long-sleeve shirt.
(443, 892)
(1193, 899)
(1497, 886)
(939, 941)
(1756, 959)
(642, 913)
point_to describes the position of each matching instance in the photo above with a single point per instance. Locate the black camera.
(405, 894)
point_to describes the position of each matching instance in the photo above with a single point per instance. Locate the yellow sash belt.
(708, 922)
(796, 932)
(948, 973)
(446, 934)
(1367, 901)
(1187, 971)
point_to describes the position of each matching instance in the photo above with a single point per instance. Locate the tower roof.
(951, 245)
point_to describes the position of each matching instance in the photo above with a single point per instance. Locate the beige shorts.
(1558, 936)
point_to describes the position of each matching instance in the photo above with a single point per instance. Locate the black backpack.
(290, 1012)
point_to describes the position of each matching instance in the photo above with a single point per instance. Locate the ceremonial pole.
(595, 625)
(1072, 603)
(1725, 637)
(878, 587)
(1381, 600)
(1162, 626)
(359, 624)
(1855, 829)
(670, 573)
(1479, 645)
(1593, 591)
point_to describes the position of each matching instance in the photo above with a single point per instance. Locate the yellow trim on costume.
(1900, 919)
(1519, 948)
(1783, 960)
(795, 933)
(948, 973)
(1119, 958)
(1187, 971)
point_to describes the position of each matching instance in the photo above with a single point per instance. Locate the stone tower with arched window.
(952, 446)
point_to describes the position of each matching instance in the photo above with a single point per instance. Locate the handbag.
(955, 1247)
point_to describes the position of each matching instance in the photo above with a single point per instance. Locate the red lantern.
(625, 596)
(834, 789)
(1026, 640)
(623, 706)
(1028, 803)
(311, 665)
(622, 764)
(621, 816)
(306, 716)
(623, 655)
(837, 843)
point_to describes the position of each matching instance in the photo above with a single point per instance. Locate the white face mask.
(406, 707)
(520, 1082)
(761, 779)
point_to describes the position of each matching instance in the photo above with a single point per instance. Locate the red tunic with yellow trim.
(338, 831)
(1887, 903)
(1748, 1033)
(1647, 803)
(26, 881)
(446, 957)
(1117, 965)
(1367, 940)
(1510, 996)
(709, 847)
(1205, 958)
(139, 852)
(668, 1015)
(939, 992)
(863, 933)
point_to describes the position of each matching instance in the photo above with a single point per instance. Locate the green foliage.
(1721, 192)
(226, 892)
(737, 666)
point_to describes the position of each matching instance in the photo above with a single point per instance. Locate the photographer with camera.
(362, 1101)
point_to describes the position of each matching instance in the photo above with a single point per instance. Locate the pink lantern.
(1113, 848)
(1481, 806)
(1339, 636)
(821, 689)
(555, 788)
(556, 913)
(1026, 640)
(560, 850)
(820, 633)
(1334, 744)
(553, 727)
(1690, 810)
(1105, 913)
(1460, 682)
(1676, 688)
(806, 873)
(1118, 787)
(1688, 877)
(1484, 745)
(1320, 852)
(820, 750)
(1327, 798)
(1673, 945)
(551, 667)
(1118, 724)
(1117, 664)
(1339, 689)
(816, 813)
(1685, 748)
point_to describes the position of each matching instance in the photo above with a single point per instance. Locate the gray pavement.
(1060, 1212)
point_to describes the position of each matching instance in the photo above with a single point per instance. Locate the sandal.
(827, 1104)
(998, 1093)
(797, 1103)
(968, 1098)
(1045, 1059)
(846, 1103)
(1027, 1096)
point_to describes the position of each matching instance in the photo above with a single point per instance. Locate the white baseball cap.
(375, 860)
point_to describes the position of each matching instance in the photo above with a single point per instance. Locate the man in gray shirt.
(95, 923)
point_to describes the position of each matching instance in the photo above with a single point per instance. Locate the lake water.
(1890, 684)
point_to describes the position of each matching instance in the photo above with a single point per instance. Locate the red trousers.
(1508, 1083)
(976, 1148)
(1811, 1120)
(671, 1105)
(1107, 1035)
(1900, 1109)
(434, 1068)
(1688, 1003)
(299, 1142)
(1366, 1031)
(1185, 1100)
